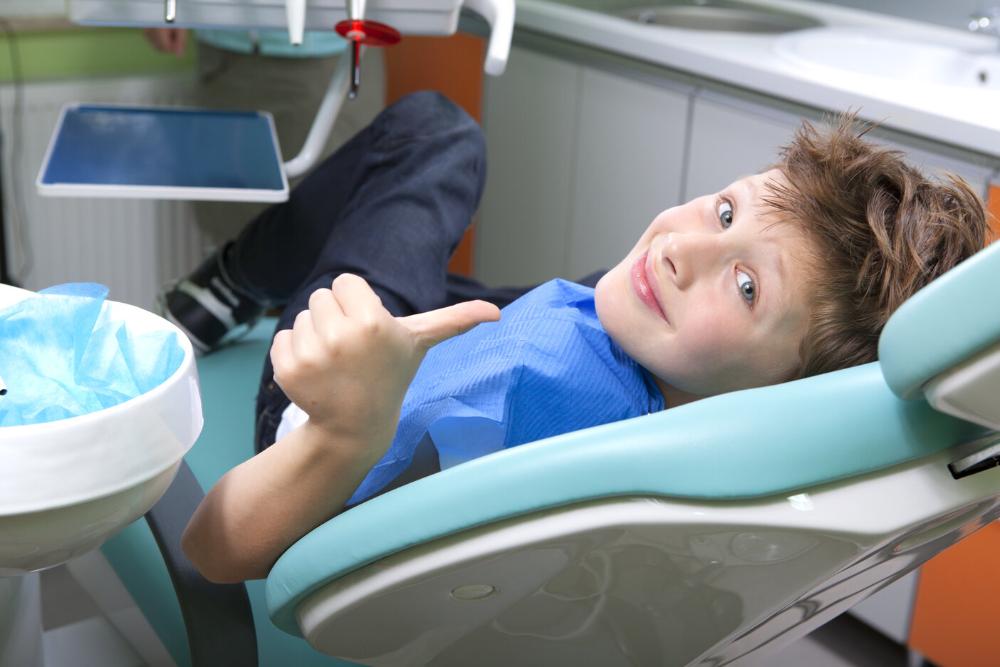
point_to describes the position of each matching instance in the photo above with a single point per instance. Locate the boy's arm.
(347, 363)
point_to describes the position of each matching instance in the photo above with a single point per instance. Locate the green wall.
(79, 52)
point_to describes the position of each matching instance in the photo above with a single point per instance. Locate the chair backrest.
(944, 342)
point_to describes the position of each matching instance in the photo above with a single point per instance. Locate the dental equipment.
(677, 538)
(67, 485)
(199, 154)
(358, 31)
(114, 157)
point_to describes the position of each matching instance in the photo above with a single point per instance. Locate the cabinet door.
(976, 172)
(731, 139)
(629, 164)
(530, 122)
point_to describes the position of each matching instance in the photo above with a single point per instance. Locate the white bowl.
(68, 485)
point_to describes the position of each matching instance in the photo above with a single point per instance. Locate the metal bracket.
(985, 455)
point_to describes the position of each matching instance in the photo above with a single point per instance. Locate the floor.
(76, 636)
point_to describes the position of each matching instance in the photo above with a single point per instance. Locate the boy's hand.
(167, 40)
(347, 362)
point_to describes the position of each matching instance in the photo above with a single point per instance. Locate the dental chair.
(701, 535)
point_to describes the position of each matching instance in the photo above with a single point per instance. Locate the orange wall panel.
(993, 212)
(453, 66)
(956, 618)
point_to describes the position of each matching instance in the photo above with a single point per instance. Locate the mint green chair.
(700, 535)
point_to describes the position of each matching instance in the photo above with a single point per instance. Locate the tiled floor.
(76, 638)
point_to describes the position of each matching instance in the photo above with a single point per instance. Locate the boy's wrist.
(363, 446)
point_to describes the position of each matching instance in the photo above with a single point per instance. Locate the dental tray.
(163, 153)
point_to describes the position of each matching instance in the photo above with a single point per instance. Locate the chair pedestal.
(21, 621)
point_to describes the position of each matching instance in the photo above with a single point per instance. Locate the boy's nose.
(685, 255)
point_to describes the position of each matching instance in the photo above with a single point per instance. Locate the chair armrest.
(217, 617)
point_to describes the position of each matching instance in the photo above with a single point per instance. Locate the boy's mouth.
(643, 286)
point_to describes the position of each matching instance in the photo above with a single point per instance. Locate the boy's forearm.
(261, 507)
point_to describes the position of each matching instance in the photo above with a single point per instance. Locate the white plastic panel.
(648, 581)
(891, 609)
(971, 391)
(429, 17)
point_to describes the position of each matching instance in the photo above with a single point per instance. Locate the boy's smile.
(644, 283)
(715, 294)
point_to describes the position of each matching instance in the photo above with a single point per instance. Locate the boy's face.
(714, 296)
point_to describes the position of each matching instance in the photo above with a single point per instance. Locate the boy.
(783, 274)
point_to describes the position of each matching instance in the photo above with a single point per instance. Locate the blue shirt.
(546, 368)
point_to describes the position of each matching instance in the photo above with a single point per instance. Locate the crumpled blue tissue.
(62, 355)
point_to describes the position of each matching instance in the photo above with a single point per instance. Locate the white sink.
(67, 485)
(869, 54)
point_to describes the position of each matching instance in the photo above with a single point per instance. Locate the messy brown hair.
(880, 231)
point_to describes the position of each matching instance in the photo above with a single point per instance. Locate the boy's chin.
(605, 302)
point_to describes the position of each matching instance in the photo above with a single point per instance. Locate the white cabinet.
(586, 148)
(580, 161)
(730, 139)
(733, 137)
(629, 164)
(530, 123)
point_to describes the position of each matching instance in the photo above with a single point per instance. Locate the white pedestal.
(21, 621)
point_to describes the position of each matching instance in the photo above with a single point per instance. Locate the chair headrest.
(943, 325)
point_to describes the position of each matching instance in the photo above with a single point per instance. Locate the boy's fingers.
(355, 296)
(437, 325)
(279, 350)
(326, 311)
(304, 340)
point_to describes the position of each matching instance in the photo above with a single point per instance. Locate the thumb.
(434, 326)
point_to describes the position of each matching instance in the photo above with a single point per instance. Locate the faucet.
(986, 21)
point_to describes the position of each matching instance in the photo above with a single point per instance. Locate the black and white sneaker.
(209, 307)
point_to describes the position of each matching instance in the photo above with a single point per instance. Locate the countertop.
(965, 116)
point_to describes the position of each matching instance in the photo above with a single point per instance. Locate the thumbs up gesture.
(347, 362)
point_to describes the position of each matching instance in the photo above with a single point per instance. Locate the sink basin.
(720, 16)
(67, 485)
(883, 57)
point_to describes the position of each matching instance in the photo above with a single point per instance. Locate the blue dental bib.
(547, 367)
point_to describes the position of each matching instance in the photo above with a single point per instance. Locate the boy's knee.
(427, 114)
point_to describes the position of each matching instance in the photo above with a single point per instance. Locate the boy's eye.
(725, 211)
(748, 290)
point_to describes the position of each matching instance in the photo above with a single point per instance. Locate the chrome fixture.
(986, 21)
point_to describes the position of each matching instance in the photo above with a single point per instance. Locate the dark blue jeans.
(389, 206)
